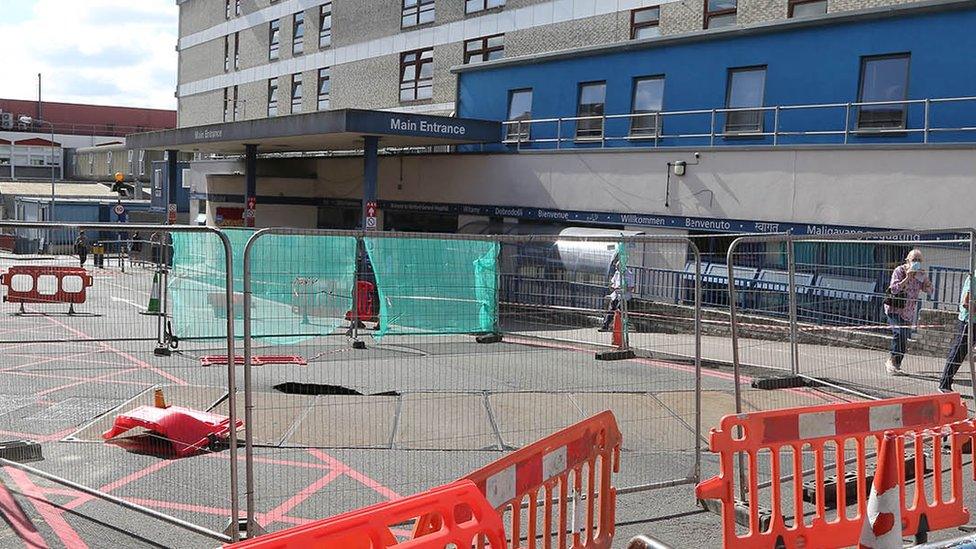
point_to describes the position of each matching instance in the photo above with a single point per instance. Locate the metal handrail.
(523, 136)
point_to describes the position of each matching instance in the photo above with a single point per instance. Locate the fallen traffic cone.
(159, 401)
(618, 330)
(153, 307)
(881, 528)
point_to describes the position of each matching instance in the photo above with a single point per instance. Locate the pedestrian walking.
(908, 280)
(613, 296)
(81, 247)
(960, 344)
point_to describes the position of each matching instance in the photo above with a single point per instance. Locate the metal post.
(698, 371)
(969, 317)
(370, 151)
(711, 131)
(775, 125)
(624, 294)
(925, 129)
(232, 390)
(51, 214)
(250, 184)
(847, 122)
(794, 336)
(248, 398)
(172, 186)
(518, 135)
(657, 128)
(559, 132)
(603, 132)
(734, 330)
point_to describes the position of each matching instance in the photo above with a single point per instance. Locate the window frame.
(657, 128)
(237, 8)
(864, 60)
(298, 41)
(297, 78)
(760, 124)
(513, 132)
(236, 106)
(325, 33)
(421, 7)
(226, 53)
(793, 3)
(227, 111)
(636, 27)
(274, 39)
(484, 50)
(719, 13)
(417, 83)
(237, 51)
(227, 10)
(318, 89)
(584, 131)
(272, 96)
(484, 6)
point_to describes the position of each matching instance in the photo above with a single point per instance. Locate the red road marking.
(18, 520)
(84, 381)
(274, 461)
(39, 438)
(76, 378)
(48, 359)
(122, 354)
(51, 514)
(275, 514)
(355, 475)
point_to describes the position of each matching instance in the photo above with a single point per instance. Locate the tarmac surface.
(354, 427)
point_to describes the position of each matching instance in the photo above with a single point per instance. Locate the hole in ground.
(295, 388)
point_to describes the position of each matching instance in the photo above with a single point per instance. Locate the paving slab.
(523, 418)
(445, 421)
(348, 421)
(273, 416)
(645, 423)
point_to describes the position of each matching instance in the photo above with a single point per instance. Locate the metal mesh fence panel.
(84, 340)
(453, 351)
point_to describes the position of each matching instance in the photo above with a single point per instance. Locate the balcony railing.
(936, 120)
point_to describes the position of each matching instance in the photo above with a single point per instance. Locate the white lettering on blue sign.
(709, 224)
(208, 134)
(426, 126)
(632, 219)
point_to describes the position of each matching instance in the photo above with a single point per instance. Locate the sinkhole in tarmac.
(306, 389)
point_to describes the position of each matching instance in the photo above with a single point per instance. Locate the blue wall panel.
(814, 64)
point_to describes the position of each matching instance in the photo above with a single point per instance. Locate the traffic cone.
(153, 307)
(159, 401)
(881, 528)
(618, 330)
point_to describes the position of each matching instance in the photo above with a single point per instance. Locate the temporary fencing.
(470, 348)
(67, 378)
(813, 307)
(839, 437)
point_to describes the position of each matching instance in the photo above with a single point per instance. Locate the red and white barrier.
(46, 284)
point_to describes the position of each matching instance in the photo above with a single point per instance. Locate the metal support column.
(370, 167)
(172, 186)
(250, 183)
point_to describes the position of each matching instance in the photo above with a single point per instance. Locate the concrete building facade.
(240, 59)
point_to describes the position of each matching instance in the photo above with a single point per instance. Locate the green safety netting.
(438, 286)
(301, 285)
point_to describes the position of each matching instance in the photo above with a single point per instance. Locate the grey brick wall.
(254, 46)
(761, 11)
(202, 61)
(355, 21)
(369, 84)
(847, 5)
(255, 98)
(602, 29)
(198, 15)
(202, 108)
(683, 16)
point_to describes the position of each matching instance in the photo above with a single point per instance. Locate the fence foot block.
(850, 485)
(779, 382)
(489, 338)
(241, 527)
(21, 451)
(358, 344)
(162, 351)
(741, 512)
(616, 354)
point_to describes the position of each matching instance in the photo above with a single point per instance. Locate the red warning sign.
(370, 215)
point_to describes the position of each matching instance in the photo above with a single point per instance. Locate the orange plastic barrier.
(832, 428)
(465, 520)
(188, 431)
(46, 284)
(540, 474)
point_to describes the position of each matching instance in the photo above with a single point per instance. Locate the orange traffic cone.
(618, 330)
(159, 401)
(881, 528)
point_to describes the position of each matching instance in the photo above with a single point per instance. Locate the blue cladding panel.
(819, 64)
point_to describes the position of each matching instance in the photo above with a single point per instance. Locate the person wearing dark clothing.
(81, 247)
(614, 297)
(960, 344)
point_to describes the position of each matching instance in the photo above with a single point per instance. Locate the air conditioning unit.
(6, 120)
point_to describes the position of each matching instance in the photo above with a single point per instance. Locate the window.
(472, 6)
(272, 97)
(807, 8)
(237, 7)
(519, 108)
(325, 87)
(417, 12)
(416, 75)
(883, 78)
(227, 53)
(227, 112)
(298, 34)
(487, 48)
(325, 25)
(236, 104)
(142, 162)
(746, 88)
(592, 98)
(719, 13)
(129, 157)
(648, 98)
(274, 35)
(644, 23)
(226, 9)
(296, 92)
(237, 51)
